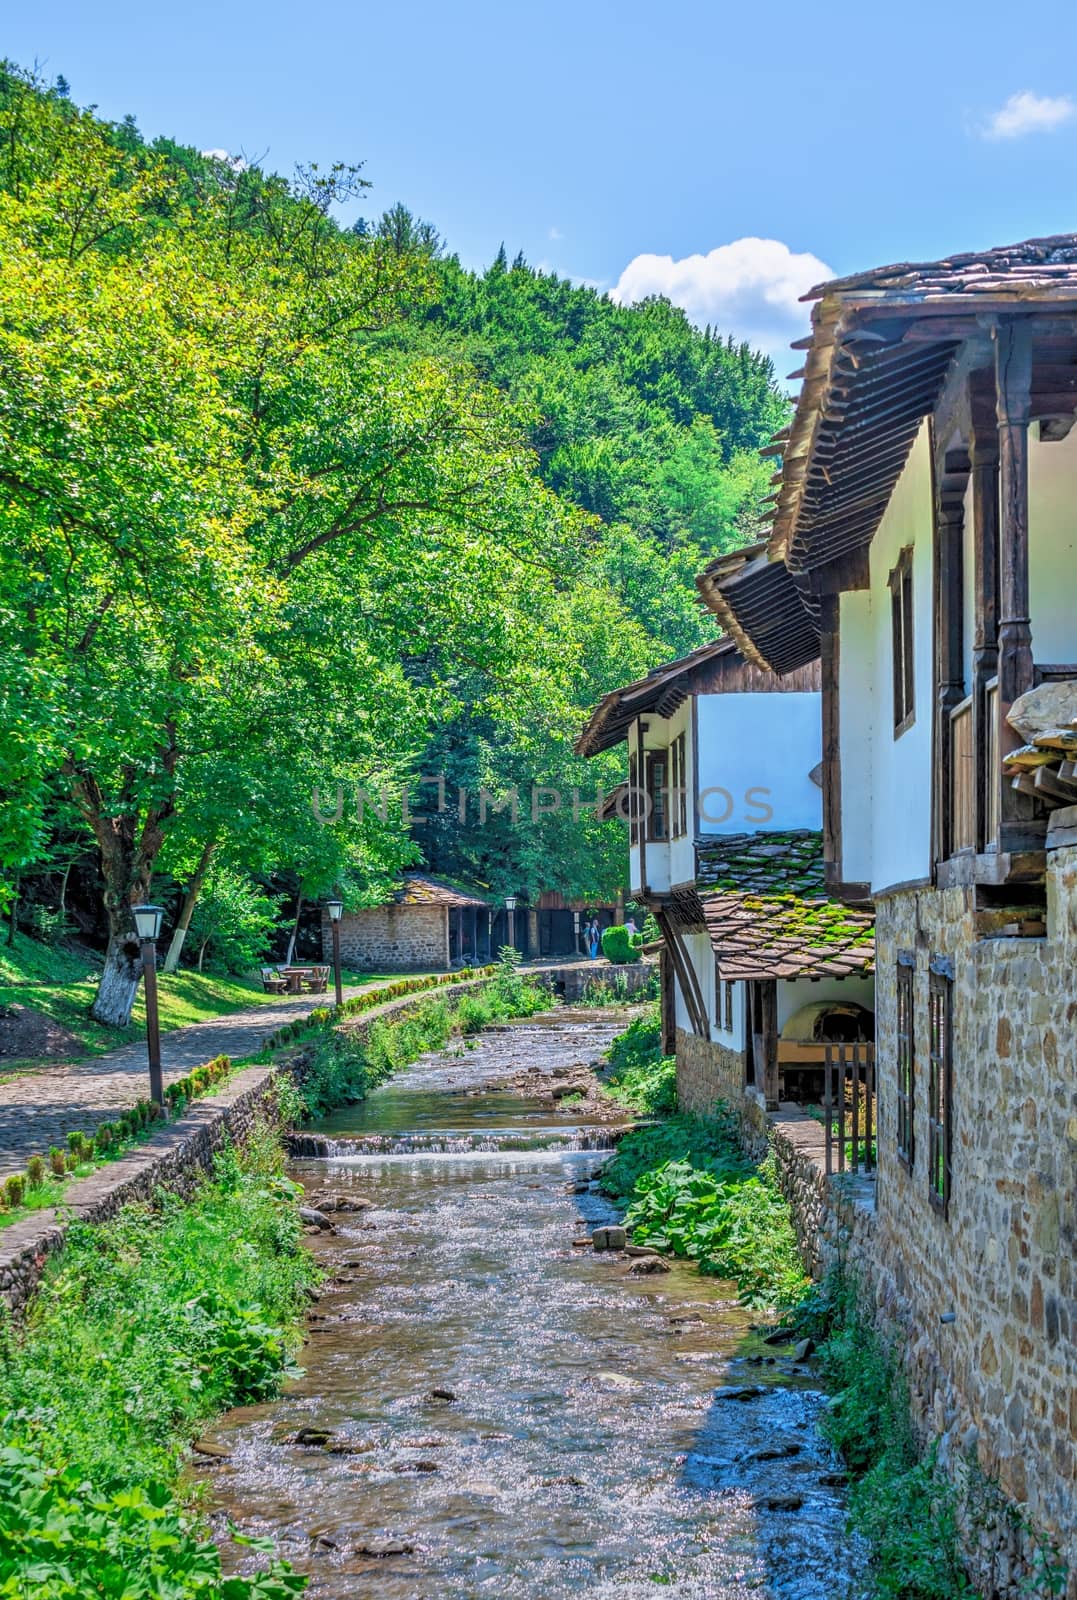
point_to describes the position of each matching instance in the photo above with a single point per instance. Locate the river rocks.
(778, 1336)
(782, 1502)
(337, 1201)
(314, 1438)
(803, 1349)
(215, 1452)
(610, 1238)
(313, 1218)
(416, 1466)
(644, 1266)
(776, 1452)
(743, 1391)
(445, 1395)
(383, 1549)
(614, 1380)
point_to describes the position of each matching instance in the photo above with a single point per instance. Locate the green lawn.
(61, 983)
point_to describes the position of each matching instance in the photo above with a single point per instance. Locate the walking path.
(40, 1107)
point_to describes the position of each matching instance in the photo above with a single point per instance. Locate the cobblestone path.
(38, 1108)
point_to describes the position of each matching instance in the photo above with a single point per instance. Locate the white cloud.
(237, 163)
(555, 232)
(750, 288)
(1030, 113)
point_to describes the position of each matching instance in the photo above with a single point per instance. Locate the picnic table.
(293, 980)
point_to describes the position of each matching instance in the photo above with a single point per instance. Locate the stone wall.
(706, 1073)
(391, 938)
(981, 1298)
(172, 1159)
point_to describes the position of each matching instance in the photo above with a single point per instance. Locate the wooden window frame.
(902, 647)
(657, 795)
(727, 1003)
(940, 1093)
(678, 788)
(635, 801)
(905, 1133)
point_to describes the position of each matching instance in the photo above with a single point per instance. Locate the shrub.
(104, 1137)
(74, 1142)
(57, 1162)
(639, 1075)
(35, 1172)
(233, 922)
(619, 946)
(14, 1189)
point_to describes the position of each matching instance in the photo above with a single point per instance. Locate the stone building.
(429, 925)
(924, 513)
(761, 968)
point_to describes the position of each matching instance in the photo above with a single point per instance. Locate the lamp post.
(576, 931)
(148, 928)
(510, 907)
(335, 909)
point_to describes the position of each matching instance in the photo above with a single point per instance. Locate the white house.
(724, 815)
(927, 516)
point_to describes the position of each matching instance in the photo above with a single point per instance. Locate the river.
(509, 1413)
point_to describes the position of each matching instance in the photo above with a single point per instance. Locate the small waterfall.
(315, 1146)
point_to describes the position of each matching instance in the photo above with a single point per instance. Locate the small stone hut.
(429, 925)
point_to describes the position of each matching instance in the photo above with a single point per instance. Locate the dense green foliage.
(691, 1192)
(344, 1064)
(619, 946)
(148, 1325)
(637, 1073)
(291, 506)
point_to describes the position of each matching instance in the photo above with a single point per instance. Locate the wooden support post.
(830, 652)
(765, 1038)
(642, 801)
(984, 460)
(669, 1003)
(1013, 370)
(949, 643)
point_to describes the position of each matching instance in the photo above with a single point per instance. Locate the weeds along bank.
(152, 1323)
(147, 1326)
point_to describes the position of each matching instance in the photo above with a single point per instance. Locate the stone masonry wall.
(391, 938)
(1001, 1377)
(706, 1073)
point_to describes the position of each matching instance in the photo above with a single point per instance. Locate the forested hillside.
(288, 505)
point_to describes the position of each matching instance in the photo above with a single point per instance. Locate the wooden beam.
(1013, 373)
(830, 654)
(985, 508)
(948, 652)
(686, 973)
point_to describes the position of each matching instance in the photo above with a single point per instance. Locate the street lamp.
(148, 928)
(510, 907)
(576, 931)
(335, 909)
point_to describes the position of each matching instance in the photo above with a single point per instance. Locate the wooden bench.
(273, 982)
(317, 981)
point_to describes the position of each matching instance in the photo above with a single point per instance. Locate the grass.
(146, 1327)
(637, 1074)
(61, 983)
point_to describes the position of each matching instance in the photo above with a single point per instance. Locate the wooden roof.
(758, 601)
(881, 347)
(716, 668)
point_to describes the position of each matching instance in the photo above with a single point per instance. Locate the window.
(657, 794)
(678, 789)
(728, 987)
(902, 637)
(906, 1058)
(940, 1084)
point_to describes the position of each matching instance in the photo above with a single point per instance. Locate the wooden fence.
(849, 1108)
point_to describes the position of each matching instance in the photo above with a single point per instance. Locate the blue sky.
(724, 154)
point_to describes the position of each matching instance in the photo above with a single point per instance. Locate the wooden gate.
(849, 1108)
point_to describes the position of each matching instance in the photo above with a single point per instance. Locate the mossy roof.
(768, 914)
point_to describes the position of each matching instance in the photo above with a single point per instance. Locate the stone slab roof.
(420, 890)
(767, 912)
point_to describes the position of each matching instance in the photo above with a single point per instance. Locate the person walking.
(594, 938)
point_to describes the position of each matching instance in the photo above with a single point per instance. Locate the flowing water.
(511, 1414)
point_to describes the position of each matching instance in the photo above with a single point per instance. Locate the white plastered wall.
(1052, 548)
(755, 754)
(856, 728)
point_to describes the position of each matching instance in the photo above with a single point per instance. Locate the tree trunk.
(202, 953)
(13, 916)
(290, 957)
(116, 992)
(190, 900)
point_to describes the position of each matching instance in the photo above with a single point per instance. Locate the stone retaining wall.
(706, 1073)
(391, 938)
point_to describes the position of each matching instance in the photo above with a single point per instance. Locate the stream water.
(511, 1414)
